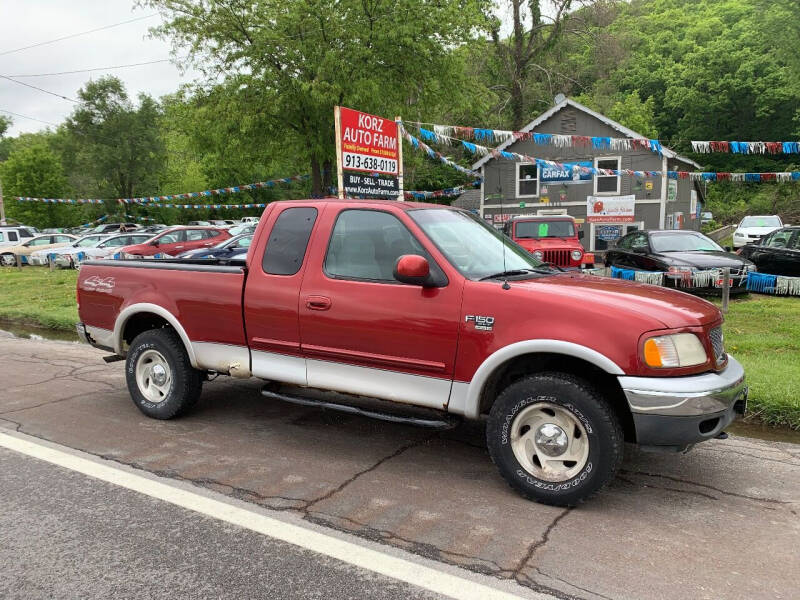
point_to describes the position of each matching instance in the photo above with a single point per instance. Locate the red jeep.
(552, 239)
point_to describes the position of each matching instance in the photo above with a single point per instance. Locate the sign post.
(399, 122)
(368, 155)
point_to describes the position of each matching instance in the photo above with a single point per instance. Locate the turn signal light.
(677, 350)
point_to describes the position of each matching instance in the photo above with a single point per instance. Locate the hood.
(616, 297)
(756, 230)
(705, 259)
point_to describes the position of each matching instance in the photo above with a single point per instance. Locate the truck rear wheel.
(554, 438)
(161, 380)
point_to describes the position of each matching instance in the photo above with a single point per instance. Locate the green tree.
(289, 63)
(115, 141)
(36, 171)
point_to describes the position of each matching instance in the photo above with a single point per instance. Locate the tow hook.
(722, 435)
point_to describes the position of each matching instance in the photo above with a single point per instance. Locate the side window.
(25, 233)
(171, 238)
(366, 244)
(779, 239)
(194, 235)
(639, 240)
(288, 240)
(63, 238)
(794, 243)
(2, 237)
(625, 243)
(212, 233)
(43, 241)
(12, 236)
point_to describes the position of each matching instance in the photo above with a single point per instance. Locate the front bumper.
(680, 411)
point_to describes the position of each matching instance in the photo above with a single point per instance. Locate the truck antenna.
(505, 285)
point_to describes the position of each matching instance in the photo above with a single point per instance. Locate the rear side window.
(12, 236)
(288, 240)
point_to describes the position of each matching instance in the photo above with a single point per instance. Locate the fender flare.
(467, 396)
(147, 307)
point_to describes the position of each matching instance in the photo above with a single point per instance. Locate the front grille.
(558, 257)
(718, 344)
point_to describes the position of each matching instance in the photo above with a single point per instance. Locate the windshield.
(761, 222)
(532, 230)
(87, 242)
(681, 242)
(472, 246)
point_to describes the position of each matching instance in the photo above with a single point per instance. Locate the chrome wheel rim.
(153, 376)
(8, 260)
(549, 442)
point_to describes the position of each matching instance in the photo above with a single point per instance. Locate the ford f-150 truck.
(425, 314)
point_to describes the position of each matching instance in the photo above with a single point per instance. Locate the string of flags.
(480, 150)
(151, 200)
(445, 193)
(448, 134)
(95, 222)
(746, 147)
(416, 143)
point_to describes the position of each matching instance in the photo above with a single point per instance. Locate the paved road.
(720, 522)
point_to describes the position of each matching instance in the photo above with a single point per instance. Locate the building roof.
(469, 200)
(610, 122)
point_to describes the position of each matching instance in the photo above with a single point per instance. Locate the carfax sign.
(566, 176)
(368, 143)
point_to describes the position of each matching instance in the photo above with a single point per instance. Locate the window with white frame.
(607, 184)
(527, 180)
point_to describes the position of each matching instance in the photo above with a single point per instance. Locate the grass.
(38, 296)
(762, 332)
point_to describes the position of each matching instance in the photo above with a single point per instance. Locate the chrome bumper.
(686, 396)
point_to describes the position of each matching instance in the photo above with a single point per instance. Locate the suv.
(552, 239)
(11, 236)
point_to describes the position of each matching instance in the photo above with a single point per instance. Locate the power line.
(67, 37)
(40, 89)
(151, 62)
(27, 117)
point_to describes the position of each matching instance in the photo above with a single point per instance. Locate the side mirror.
(728, 249)
(412, 269)
(155, 243)
(639, 249)
(580, 234)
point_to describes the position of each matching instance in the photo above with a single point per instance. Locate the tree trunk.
(316, 178)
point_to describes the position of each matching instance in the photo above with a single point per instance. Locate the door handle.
(318, 302)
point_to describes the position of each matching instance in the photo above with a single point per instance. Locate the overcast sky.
(29, 22)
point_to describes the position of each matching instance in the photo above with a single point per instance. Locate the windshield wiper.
(510, 273)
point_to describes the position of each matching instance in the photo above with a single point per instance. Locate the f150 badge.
(481, 322)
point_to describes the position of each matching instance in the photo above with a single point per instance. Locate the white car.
(9, 254)
(752, 229)
(105, 249)
(11, 236)
(42, 257)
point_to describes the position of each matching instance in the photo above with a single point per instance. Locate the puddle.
(764, 432)
(32, 332)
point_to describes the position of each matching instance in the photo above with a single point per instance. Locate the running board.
(354, 410)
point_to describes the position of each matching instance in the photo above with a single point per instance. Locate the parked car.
(107, 248)
(12, 236)
(115, 227)
(679, 254)
(9, 254)
(153, 228)
(706, 218)
(241, 228)
(426, 307)
(752, 229)
(199, 223)
(552, 239)
(42, 257)
(176, 240)
(249, 219)
(778, 253)
(237, 245)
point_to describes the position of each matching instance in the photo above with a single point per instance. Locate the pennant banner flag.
(448, 134)
(746, 147)
(154, 199)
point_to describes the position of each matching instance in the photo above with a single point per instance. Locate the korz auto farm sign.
(368, 143)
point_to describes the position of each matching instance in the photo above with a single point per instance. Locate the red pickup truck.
(426, 314)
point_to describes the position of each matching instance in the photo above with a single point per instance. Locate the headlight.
(538, 254)
(576, 254)
(676, 350)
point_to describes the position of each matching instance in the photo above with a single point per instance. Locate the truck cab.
(554, 239)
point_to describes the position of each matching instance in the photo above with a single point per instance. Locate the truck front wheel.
(554, 438)
(161, 380)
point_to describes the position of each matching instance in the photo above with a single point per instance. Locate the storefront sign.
(503, 218)
(566, 176)
(608, 233)
(610, 209)
(672, 190)
(373, 186)
(368, 143)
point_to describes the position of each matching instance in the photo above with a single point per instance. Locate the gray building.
(512, 188)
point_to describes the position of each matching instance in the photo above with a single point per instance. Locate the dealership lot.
(732, 505)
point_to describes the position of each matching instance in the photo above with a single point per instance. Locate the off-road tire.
(602, 426)
(186, 381)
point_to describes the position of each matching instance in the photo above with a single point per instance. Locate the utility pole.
(2, 207)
